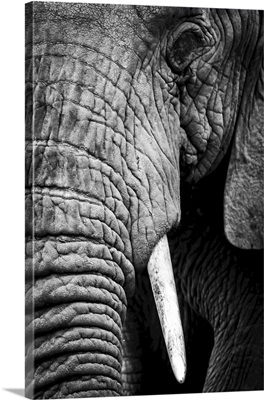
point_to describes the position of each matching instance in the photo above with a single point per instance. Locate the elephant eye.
(184, 49)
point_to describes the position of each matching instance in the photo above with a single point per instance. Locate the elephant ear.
(243, 198)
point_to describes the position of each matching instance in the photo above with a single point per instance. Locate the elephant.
(144, 210)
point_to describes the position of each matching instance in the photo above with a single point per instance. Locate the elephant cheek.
(158, 213)
(147, 232)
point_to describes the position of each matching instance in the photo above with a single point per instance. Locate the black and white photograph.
(144, 156)
(144, 200)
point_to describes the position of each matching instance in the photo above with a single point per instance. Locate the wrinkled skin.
(146, 121)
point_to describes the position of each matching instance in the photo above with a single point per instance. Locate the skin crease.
(134, 109)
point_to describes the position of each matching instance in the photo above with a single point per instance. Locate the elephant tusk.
(165, 295)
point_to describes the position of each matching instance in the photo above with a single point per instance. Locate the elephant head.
(123, 104)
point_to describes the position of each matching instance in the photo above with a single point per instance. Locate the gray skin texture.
(140, 122)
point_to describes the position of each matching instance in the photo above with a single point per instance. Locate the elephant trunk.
(74, 314)
(79, 272)
(79, 268)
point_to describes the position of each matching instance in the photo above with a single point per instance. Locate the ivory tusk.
(165, 295)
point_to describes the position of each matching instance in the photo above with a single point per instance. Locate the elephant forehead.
(112, 18)
(97, 14)
(105, 14)
(115, 32)
(92, 22)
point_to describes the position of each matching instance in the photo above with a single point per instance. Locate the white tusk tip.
(179, 369)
